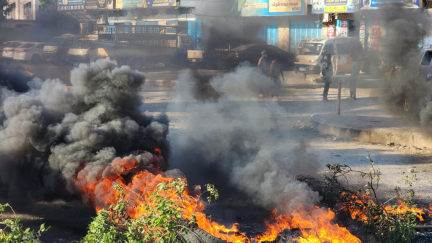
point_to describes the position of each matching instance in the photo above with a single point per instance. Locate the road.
(298, 100)
(62, 72)
(299, 104)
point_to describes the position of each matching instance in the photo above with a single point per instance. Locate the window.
(311, 49)
(329, 48)
(258, 49)
(11, 44)
(26, 46)
(55, 41)
(40, 46)
(427, 58)
(67, 42)
(301, 44)
(343, 49)
(81, 44)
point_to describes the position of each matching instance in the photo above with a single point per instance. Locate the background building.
(23, 9)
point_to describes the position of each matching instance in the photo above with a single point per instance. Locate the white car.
(9, 50)
(78, 53)
(31, 51)
(6, 44)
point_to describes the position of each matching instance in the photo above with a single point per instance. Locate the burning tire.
(198, 235)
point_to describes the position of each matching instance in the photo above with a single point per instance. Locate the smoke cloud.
(52, 136)
(407, 87)
(236, 142)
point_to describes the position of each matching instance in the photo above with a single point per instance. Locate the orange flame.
(314, 225)
(139, 185)
(403, 208)
(357, 211)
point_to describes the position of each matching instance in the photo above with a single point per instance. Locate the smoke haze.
(407, 85)
(236, 142)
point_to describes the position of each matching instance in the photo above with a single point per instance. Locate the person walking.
(355, 70)
(327, 72)
(276, 74)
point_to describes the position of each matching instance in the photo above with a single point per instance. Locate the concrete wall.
(283, 33)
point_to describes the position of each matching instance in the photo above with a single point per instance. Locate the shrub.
(388, 223)
(162, 220)
(13, 231)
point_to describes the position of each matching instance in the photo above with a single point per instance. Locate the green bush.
(13, 231)
(385, 222)
(163, 219)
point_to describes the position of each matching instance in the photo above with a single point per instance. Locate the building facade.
(358, 18)
(23, 9)
(285, 22)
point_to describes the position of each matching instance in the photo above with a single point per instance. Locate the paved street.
(62, 72)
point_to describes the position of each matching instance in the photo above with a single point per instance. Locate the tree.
(47, 5)
(4, 9)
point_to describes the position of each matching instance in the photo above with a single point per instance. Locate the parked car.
(426, 58)
(13, 75)
(252, 53)
(78, 53)
(57, 48)
(6, 44)
(32, 51)
(9, 50)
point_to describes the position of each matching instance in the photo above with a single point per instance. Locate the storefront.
(276, 18)
(372, 31)
(303, 29)
(339, 17)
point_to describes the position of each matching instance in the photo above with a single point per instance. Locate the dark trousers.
(276, 87)
(327, 82)
(353, 86)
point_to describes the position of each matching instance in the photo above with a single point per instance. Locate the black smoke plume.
(235, 142)
(52, 134)
(407, 89)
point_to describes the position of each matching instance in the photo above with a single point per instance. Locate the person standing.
(263, 67)
(327, 72)
(276, 74)
(355, 70)
(263, 63)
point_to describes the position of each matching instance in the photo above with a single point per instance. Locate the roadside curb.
(392, 135)
(160, 82)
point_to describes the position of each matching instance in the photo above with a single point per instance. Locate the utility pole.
(339, 97)
(33, 8)
(17, 9)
